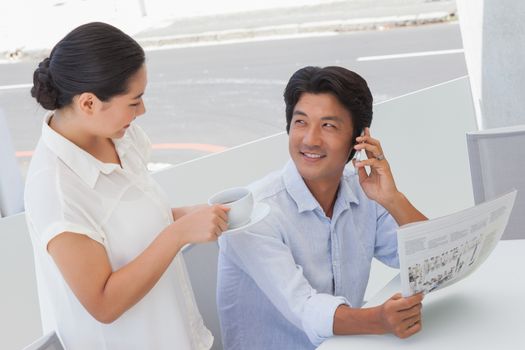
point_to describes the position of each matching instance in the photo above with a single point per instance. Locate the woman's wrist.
(175, 236)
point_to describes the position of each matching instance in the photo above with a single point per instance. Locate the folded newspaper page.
(436, 253)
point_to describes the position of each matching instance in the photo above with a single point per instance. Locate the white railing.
(423, 135)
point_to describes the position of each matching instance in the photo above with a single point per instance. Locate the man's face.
(320, 137)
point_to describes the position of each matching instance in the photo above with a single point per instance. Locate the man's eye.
(299, 122)
(134, 104)
(329, 125)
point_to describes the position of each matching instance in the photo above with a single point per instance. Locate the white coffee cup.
(240, 202)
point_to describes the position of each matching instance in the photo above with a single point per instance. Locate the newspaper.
(436, 253)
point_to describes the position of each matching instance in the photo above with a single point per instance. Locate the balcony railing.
(422, 134)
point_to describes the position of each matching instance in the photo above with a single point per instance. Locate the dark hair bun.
(43, 89)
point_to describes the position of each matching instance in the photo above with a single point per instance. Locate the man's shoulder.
(268, 186)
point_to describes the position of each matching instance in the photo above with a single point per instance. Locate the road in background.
(226, 95)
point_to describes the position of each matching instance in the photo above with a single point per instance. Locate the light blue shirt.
(281, 280)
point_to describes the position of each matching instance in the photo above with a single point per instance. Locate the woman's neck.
(70, 126)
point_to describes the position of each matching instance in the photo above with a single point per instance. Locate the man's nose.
(312, 137)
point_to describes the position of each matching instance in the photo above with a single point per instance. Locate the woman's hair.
(95, 57)
(348, 87)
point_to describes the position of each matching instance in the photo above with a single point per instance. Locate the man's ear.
(88, 103)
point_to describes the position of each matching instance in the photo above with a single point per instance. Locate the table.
(486, 310)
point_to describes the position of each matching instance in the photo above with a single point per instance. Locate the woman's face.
(116, 115)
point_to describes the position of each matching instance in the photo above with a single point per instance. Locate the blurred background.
(217, 69)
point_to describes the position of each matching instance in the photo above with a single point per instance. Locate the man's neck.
(325, 193)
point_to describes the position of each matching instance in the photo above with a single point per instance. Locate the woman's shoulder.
(42, 168)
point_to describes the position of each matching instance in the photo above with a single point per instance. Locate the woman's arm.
(107, 294)
(181, 211)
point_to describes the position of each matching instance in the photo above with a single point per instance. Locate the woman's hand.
(203, 224)
(379, 185)
(181, 211)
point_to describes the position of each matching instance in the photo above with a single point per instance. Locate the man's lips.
(312, 156)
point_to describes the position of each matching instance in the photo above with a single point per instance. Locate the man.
(299, 276)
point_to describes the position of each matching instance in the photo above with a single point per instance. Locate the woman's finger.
(221, 211)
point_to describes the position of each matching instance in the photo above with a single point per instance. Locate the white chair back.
(20, 312)
(11, 183)
(47, 342)
(497, 165)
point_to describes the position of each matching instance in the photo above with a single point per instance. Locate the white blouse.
(68, 190)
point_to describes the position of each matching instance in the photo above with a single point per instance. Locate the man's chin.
(309, 171)
(316, 172)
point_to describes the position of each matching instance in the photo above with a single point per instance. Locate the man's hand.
(402, 316)
(398, 315)
(379, 185)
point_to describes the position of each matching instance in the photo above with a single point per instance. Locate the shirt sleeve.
(262, 254)
(49, 214)
(386, 238)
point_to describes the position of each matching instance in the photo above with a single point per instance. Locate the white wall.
(493, 34)
(423, 135)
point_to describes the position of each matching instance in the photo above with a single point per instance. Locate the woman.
(106, 241)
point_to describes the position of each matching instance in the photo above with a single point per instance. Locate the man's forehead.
(325, 104)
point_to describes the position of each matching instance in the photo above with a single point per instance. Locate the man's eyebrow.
(334, 118)
(138, 96)
(299, 112)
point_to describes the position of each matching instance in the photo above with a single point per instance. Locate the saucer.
(260, 211)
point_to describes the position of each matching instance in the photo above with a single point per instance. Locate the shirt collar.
(302, 196)
(346, 192)
(87, 167)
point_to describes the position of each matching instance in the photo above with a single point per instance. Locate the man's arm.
(379, 185)
(270, 263)
(402, 210)
(399, 316)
